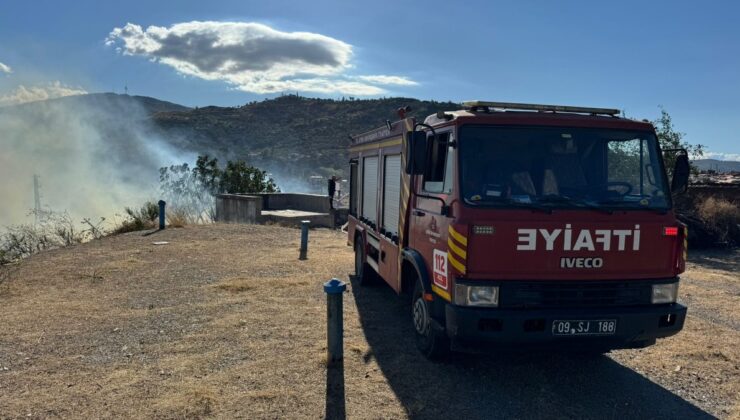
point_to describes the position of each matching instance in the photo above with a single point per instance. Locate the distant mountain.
(717, 165)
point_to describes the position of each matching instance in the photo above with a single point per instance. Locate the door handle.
(419, 213)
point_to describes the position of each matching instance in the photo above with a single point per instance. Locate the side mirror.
(681, 170)
(416, 150)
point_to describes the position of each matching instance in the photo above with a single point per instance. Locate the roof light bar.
(476, 105)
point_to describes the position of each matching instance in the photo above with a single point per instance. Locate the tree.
(207, 173)
(192, 191)
(669, 138)
(240, 178)
(236, 178)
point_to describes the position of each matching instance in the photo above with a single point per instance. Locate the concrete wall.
(324, 220)
(238, 208)
(306, 202)
(233, 208)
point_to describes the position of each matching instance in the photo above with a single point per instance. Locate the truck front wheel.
(431, 343)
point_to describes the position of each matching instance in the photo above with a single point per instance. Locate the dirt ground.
(224, 321)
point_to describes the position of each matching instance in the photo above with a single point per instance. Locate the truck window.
(434, 174)
(629, 162)
(561, 167)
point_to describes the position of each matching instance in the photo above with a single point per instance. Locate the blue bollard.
(162, 205)
(334, 290)
(304, 239)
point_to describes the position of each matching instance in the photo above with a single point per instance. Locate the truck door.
(429, 226)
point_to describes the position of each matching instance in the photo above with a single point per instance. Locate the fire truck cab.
(521, 225)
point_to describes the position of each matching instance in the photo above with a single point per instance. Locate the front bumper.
(636, 326)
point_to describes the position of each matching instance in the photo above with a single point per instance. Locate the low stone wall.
(287, 218)
(236, 208)
(294, 201)
(283, 208)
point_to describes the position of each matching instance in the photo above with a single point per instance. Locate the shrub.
(141, 219)
(53, 230)
(179, 218)
(722, 217)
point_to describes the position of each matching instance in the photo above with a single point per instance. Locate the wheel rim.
(421, 317)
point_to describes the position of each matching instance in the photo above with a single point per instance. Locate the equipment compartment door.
(370, 188)
(391, 193)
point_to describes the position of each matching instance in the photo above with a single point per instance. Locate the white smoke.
(94, 155)
(23, 94)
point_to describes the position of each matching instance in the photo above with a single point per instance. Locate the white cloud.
(23, 94)
(389, 80)
(250, 56)
(721, 156)
(4, 68)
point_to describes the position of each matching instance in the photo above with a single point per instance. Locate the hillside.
(293, 135)
(110, 102)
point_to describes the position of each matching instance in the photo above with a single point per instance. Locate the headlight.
(664, 293)
(476, 295)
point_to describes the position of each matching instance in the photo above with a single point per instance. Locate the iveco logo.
(567, 262)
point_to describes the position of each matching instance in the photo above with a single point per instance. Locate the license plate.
(584, 327)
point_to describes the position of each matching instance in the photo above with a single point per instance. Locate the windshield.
(561, 167)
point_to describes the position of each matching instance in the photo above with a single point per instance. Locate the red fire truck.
(513, 225)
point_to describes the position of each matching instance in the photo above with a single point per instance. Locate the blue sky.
(630, 55)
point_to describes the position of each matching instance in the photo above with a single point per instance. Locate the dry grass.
(226, 322)
(178, 218)
(721, 216)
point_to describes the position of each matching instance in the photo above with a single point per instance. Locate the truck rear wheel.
(431, 343)
(363, 272)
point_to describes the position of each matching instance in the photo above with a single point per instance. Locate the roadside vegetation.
(712, 221)
(141, 219)
(188, 192)
(51, 230)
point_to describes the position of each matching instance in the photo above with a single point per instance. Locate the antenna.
(36, 199)
(125, 89)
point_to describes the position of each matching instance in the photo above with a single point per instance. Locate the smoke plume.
(94, 155)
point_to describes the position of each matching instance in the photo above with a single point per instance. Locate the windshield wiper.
(574, 201)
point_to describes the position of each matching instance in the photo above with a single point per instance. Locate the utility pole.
(36, 199)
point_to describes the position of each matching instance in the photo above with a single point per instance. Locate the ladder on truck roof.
(486, 106)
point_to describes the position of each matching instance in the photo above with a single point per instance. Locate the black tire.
(363, 272)
(431, 342)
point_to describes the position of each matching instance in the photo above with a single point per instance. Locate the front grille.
(573, 294)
